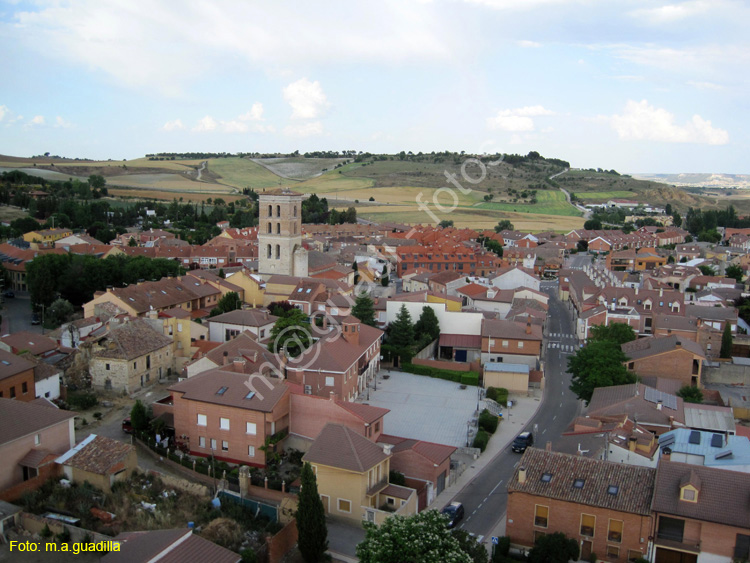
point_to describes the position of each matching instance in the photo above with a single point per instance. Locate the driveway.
(16, 314)
(425, 408)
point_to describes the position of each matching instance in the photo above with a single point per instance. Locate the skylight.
(695, 437)
(612, 489)
(578, 483)
(222, 390)
(546, 477)
(6, 362)
(300, 290)
(717, 440)
(250, 395)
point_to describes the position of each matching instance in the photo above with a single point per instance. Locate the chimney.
(528, 326)
(659, 405)
(225, 361)
(351, 333)
(636, 291)
(678, 344)
(387, 449)
(548, 446)
(265, 313)
(109, 289)
(239, 365)
(325, 322)
(333, 396)
(521, 475)
(631, 443)
(661, 292)
(255, 356)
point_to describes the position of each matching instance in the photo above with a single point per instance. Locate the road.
(17, 312)
(485, 498)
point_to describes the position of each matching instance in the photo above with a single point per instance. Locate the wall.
(513, 382)
(730, 374)
(17, 491)
(125, 375)
(429, 351)
(514, 279)
(16, 382)
(624, 455)
(49, 385)
(57, 439)
(459, 322)
(35, 524)
(282, 543)
(677, 364)
(416, 466)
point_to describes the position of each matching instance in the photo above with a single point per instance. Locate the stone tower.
(280, 248)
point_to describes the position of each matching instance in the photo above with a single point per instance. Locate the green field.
(244, 173)
(299, 168)
(604, 196)
(548, 203)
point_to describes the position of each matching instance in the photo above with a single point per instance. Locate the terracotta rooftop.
(341, 447)
(435, 453)
(30, 341)
(131, 340)
(168, 546)
(18, 419)
(245, 317)
(367, 413)
(510, 330)
(10, 364)
(604, 484)
(98, 454)
(647, 347)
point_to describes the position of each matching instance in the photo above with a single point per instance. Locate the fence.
(258, 508)
(429, 351)
(17, 491)
(35, 524)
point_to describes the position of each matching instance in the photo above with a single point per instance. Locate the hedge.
(488, 421)
(464, 377)
(498, 394)
(481, 440)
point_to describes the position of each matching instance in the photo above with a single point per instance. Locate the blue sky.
(639, 85)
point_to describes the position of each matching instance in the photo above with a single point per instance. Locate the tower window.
(278, 251)
(269, 228)
(269, 251)
(295, 210)
(270, 210)
(278, 211)
(278, 228)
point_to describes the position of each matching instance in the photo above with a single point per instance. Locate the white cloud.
(309, 129)
(670, 13)
(175, 125)
(307, 99)
(37, 120)
(515, 5)
(528, 44)
(62, 123)
(208, 123)
(642, 121)
(517, 120)
(3, 112)
(705, 85)
(255, 113)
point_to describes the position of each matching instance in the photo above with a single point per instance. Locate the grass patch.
(548, 203)
(244, 173)
(604, 196)
(299, 168)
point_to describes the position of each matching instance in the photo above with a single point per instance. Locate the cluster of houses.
(655, 465)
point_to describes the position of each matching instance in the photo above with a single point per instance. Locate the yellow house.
(253, 286)
(278, 288)
(451, 303)
(352, 475)
(513, 377)
(47, 235)
(177, 325)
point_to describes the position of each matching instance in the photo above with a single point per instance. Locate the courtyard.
(424, 408)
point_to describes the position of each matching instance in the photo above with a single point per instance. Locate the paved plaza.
(424, 408)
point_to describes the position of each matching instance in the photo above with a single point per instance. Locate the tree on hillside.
(311, 519)
(291, 334)
(690, 394)
(420, 537)
(504, 225)
(445, 223)
(726, 342)
(428, 324)
(734, 271)
(598, 364)
(554, 548)
(619, 333)
(400, 340)
(364, 309)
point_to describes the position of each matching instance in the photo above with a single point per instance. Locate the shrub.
(396, 478)
(481, 440)
(503, 546)
(498, 394)
(248, 556)
(488, 421)
(82, 400)
(64, 536)
(465, 377)
(46, 532)
(470, 378)
(98, 415)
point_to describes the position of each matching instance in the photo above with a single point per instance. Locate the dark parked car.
(126, 426)
(10, 294)
(35, 319)
(523, 440)
(455, 512)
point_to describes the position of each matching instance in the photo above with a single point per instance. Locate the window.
(278, 211)
(329, 381)
(634, 555)
(179, 327)
(37, 439)
(213, 444)
(251, 428)
(520, 344)
(742, 547)
(588, 523)
(135, 364)
(202, 441)
(24, 387)
(541, 513)
(631, 366)
(613, 552)
(546, 477)
(344, 505)
(13, 392)
(614, 533)
(270, 229)
(148, 362)
(578, 483)
(505, 343)
(278, 251)
(377, 427)
(269, 251)
(278, 228)
(224, 424)
(202, 420)
(106, 366)
(251, 451)
(670, 529)
(688, 494)
(224, 446)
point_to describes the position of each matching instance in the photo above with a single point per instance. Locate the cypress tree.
(726, 342)
(311, 521)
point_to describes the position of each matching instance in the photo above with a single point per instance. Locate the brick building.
(666, 356)
(605, 506)
(513, 342)
(16, 377)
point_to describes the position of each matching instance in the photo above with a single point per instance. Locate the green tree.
(726, 342)
(139, 417)
(619, 333)
(554, 548)
(58, 313)
(734, 271)
(132, 242)
(668, 209)
(97, 181)
(598, 364)
(471, 546)
(221, 274)
(707, 270)
(593, 225)
(311, 519)
(676, 219)
(428, 324)
(411, 539)
(229, 302)
(364, 309)
(445, 223)
(690, 394)
(504, 225)
(291, 334)
(401, 335)
(384, 277)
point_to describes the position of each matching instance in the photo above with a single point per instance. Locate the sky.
(638, 86)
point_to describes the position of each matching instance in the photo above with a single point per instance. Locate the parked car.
(523, 440)
(35, 319)
(126, 426)
(10, 294)
(455, 512)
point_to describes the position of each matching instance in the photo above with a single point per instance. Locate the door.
(586, 550)
(460, 355)
(441, 483)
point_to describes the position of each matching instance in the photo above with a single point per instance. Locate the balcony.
(673, 541)
(377, 487)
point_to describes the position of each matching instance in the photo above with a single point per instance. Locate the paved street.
(16, 314)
